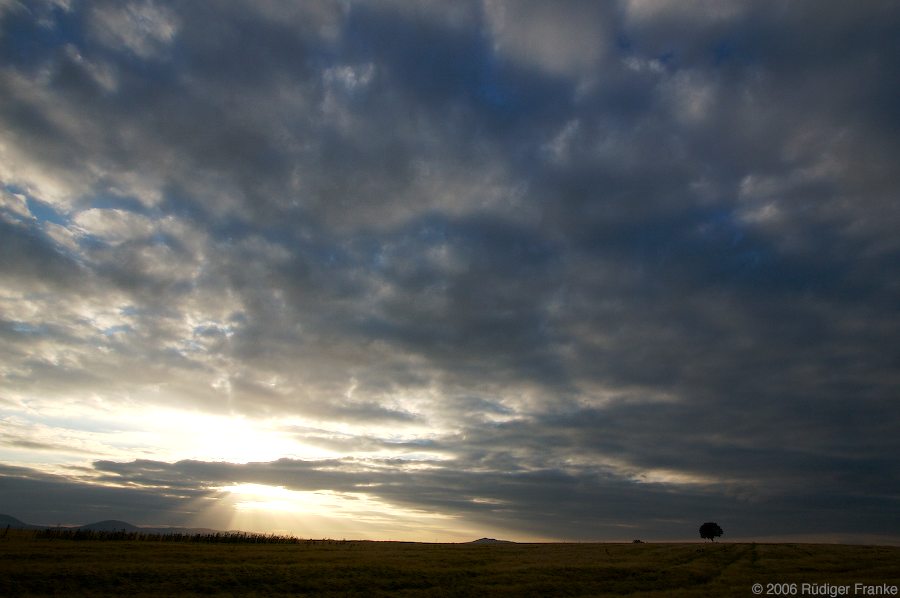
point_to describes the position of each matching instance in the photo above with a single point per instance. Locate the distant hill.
(15, 523)
(109, 525)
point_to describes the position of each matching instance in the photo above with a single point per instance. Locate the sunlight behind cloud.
(320, 514)
(224, 438)
(104, 428)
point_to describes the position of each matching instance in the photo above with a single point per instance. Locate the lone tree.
(710, 531)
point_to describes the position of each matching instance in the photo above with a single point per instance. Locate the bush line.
(140, 536)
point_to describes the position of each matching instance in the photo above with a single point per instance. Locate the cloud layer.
(566, 270)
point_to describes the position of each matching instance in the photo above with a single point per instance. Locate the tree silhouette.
(710, 531)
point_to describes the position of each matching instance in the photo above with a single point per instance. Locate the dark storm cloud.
(30, 258)
(47, 499)
(575, 502)
(653, 242)
(549, 502)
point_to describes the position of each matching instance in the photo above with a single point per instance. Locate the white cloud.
(15, 205)
(43, 171)
(690, 95)
(350, 77)
(320, 18)
(143, 27)
(9, 5)
(114, 226)
(342, 83)
(103, 74)
(699, 12)
(64, 236)
(568, 39)
(558, 148)
(643, 65)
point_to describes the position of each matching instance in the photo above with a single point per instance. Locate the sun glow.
(251, 497)
(320, 514)
(236, 439)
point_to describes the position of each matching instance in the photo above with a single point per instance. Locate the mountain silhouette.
(108, 525)
(15, 523)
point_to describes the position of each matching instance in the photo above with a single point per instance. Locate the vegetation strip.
(33, 563)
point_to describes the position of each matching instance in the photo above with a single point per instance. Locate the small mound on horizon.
(111, 525)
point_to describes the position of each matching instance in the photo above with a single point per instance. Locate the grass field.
(30, 566)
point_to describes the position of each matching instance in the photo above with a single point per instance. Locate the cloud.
(563, 256)
(574, 502)
(113, 225)
(144, 28)
(569, 40)
(703, 11)
(47, 499)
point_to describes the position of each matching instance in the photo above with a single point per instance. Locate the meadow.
(36, 566)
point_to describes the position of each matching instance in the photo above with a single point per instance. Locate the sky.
(542, 271)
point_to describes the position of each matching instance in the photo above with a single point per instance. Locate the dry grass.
(30, 566)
